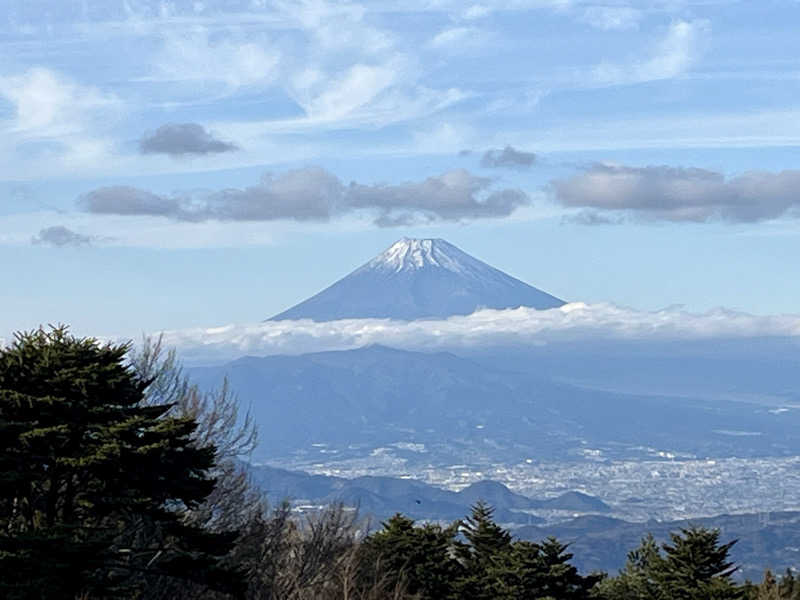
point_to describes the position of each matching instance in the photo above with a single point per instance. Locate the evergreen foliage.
(694, 565)
(539, 571)
(487, 547)
(487, 564)
(95, 485)
(420, 558)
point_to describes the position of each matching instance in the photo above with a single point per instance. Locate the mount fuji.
(417, 279)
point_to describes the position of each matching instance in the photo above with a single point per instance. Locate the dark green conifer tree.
(485, 551)
(540, 571)
(520, 574)
(693, 566)
(486, 539)
(560, 578)
(638, 580)
(94, 484)
(696, 566)
(419, 557)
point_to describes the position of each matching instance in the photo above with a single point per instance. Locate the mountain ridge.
(379, 396)
(381, 496)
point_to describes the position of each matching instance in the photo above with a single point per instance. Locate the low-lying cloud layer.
(682, 194)
(486, 328)
(179, 139)
(508, 157)
(314, 194)
(61, 236)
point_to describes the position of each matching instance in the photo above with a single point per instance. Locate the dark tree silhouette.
(95, 484)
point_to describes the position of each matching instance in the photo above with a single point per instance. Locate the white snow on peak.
(412, 254)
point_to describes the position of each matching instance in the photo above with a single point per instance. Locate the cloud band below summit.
(485, 328)
(314, 194)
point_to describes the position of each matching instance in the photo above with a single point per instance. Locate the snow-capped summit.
(412, 254)
(416, 279)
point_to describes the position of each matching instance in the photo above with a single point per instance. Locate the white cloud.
(484, 328)
(453, 35)
(47, 104)
(234, 62)
(612, 17)
(342, 96)
(337, 26)
(671, 56)
(446, 136)
(55, 124)
(677, 51)
(477, 11)
(339, 68)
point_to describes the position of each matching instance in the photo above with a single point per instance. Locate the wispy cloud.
(313, 194)
(671, 56)
(459, 36)
(47, 104)
(476, 11)
(682, 194)
(486, 328)
(179, 139)
(612, 18)
(52, 122)
(325, 98)
(197, 57)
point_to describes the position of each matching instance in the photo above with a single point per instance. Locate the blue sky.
(176, 164)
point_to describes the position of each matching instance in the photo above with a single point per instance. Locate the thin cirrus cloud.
(61, 237)
(314, 194)
(484, 328)
(509, 157)
(612, 18)
(232, 62)
(680, 194)
(181, 139)
(670, 56)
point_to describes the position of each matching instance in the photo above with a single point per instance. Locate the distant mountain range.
(417, 279)
(381, 497)
(460, 409)
(598, 542)
(601, 543)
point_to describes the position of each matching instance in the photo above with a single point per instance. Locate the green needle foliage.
(433, 564)
(693, 566)
(95, 485)
(419, 558)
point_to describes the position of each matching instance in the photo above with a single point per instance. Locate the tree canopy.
(95, 484)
